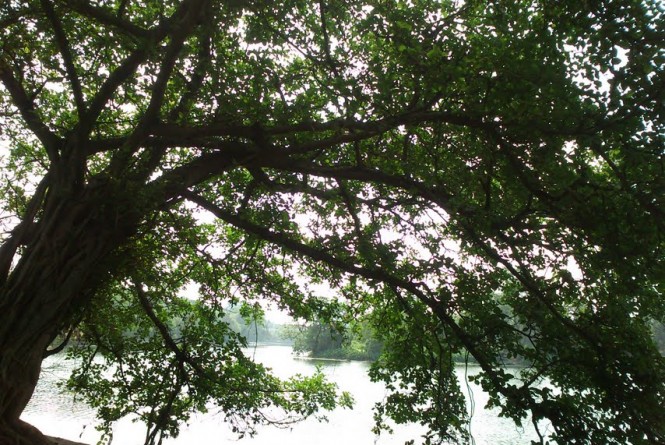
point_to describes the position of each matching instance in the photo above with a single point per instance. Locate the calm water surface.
(55, 413)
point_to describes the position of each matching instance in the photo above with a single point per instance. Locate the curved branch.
(226, 155)
(181, 355)
(369, 128)
(443, 200)
(179, 135)
(27, 109)
(192, 12)
(105, 17)
(374, 274)
(199, 74)
(65, 341)
(115, 79)
(157, 151)
(437, 195)
(130, 64)
(67, 57)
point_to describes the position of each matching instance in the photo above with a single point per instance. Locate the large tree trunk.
(19, 372)
(65, 260)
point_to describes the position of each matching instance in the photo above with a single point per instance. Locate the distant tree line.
(253, 327)
(355, 341)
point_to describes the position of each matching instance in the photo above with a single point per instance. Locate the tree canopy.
(481, 178)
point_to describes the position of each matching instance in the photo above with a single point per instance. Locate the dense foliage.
(481, 178)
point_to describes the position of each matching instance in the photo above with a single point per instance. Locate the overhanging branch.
(373, 274)
(172, 183)
(170, 343)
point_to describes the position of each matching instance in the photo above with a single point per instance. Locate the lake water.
(55, 413)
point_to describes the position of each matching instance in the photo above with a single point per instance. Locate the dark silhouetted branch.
(67, 57)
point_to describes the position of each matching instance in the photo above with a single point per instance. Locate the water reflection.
(59, 414)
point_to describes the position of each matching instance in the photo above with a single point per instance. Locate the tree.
(356, 341)
(480, 177)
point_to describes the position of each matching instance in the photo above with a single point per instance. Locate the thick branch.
(227, 155)
(106, 17)
(326, 39)
(374, 274)
(368, 128)
(67, 57)
(157, 151)
(437, 195)
(129, 66)
(198, 76)
(115, 79)
(178, 135)
(442, 199)
(18, 236)
(27, 109)
(181, 31)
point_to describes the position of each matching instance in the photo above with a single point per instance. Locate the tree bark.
(66, 260)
